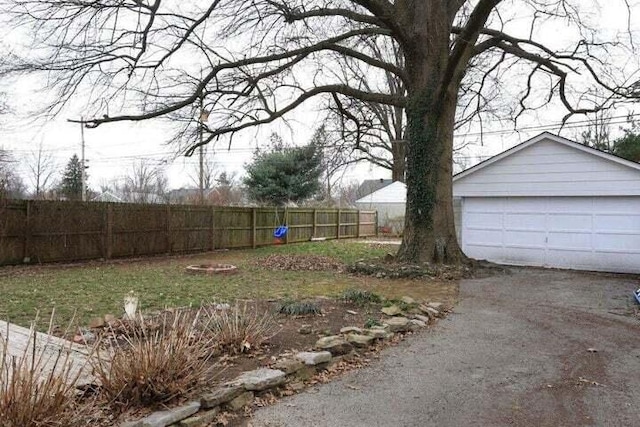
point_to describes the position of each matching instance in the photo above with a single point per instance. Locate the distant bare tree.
(597, 133)
(42, 169)
(11, 184)
(144, 183)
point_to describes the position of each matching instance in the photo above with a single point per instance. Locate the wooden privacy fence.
(48, 231)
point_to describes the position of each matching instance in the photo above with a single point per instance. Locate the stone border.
(212, 269)
(303, 366)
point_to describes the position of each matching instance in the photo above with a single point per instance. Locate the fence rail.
(51, 231)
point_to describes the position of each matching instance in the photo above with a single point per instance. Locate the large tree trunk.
(398, 150)
(429, 233)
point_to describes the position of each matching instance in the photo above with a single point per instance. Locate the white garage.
(555, 203)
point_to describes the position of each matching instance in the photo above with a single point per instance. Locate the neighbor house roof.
(396, 192)
(107, 196)
(369, 186)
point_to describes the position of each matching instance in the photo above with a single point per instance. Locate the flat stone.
(201, 419)
(96, 322)
(220, 396)
(305, 329)
(289, 366)
(429, 311)
(241, 401)
(398, 324)
(418, 322)
(408, 300)
(392, 310)
(359, 340)
(376, 333)
(136, 423)
(334, 344)
(351, 329)
(313, 358)
(436, 305)
(171, 416)
(261, 379)
(425, 319)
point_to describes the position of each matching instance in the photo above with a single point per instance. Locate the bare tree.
(144, 183)
(11, 184)
(209, 172)
(597, 133)
(336, 156)
(42, 169)
(253, 62)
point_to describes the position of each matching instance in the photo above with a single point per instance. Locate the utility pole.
(204, 116)
(83, 176)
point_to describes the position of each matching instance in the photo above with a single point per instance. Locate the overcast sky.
(112, 149)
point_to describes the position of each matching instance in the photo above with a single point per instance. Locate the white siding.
(550, 168)
(393, 193)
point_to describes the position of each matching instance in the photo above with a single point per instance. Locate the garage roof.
(549, 165)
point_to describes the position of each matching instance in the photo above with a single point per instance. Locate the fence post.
(358, 224)
(377, 224)
(253, 228)
(315, 223)
(338, 231)
(213, 228)
(169, 239)
(27, 234)
(286, 222)
(108, 232)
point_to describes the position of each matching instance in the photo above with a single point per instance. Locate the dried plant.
(240, 330)
(151, 366)
(38, 385)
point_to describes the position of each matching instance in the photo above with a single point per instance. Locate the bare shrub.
(240, 330)
(155, 365)
(38, 386)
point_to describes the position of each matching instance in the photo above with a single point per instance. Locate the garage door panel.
(616, 222)
(569, 241)
(485, 220)
(479, 251)
(569, 222)
(521, 204)
(483, 237)
(575, 205)
(522, 256)
(589, 233)
(617, 243)
(524, 239)
(524, 221)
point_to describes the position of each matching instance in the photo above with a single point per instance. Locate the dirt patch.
(299, 263)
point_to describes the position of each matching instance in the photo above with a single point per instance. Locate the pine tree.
(288, 174)
(71, 185)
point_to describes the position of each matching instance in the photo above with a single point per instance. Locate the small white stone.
(313, 358)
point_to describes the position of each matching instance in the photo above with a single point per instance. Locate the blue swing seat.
(280, 232)
(637, 295)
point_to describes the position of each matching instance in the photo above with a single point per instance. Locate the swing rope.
(280, 230)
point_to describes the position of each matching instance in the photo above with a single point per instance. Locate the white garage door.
(583, 233)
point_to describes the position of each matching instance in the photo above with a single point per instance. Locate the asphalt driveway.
(528, 348)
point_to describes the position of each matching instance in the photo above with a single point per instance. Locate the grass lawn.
(97, 288)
